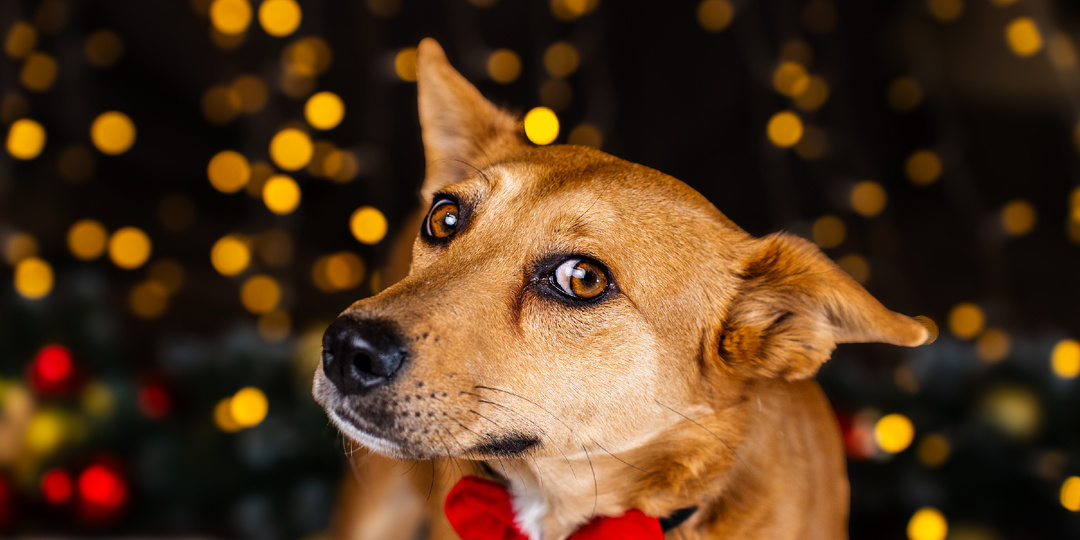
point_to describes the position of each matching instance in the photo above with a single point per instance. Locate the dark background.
(662, 90)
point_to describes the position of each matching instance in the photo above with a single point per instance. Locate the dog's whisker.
(537, 405)
(542, 432)
(624, 462)
(698, 424)
(595, 491)
(432, 486)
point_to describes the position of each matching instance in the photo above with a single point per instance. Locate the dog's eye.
(580, 278)
(442, 220)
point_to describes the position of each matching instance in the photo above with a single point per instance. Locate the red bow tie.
(479, 509)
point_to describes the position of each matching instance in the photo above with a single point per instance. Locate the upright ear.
(795, 305)
(459, 127)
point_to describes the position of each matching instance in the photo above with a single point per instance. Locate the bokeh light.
(230, 17)
(228, 171)
(993, 346)
(829, 231)
(1018, 217)
(33, 278)
(103, 48)
(923, 167)
(715, 15)
(129, 248)
(26, 139)
(586, 135)
(251, 93)
(966, 320)
(1023, 37)
(561, 59)
(790, 79)
(274, 327)
(814, 95)
(784, 129)
(541, 125)
(405, 64)
(53, 369)
(1014, 410)
(248, 407)
(260, 294)
(57, 486)
(868, 198)
(291, 149)
(927, 524)
(856, 266)
(324, 110)
(148, 299)
(19, 246)
(503, 66)
(1065, 359)
(281, 194)
(38, 72)
(45, 432)
(20, 41)
(893, 433)
(1070, 494)
(946, 11)
(167, 272)
(279, 18)
(86, 239)
(905, 94)
(113, 133)
(230, 255)
(368, 225)
(101, 486)
(934, 449)
(223, 418)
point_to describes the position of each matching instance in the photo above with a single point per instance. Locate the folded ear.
(459, 127)
(795, 305)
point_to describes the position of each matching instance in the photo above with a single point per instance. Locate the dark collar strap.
(676, 519)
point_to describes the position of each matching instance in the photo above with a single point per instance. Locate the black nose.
(360, 355)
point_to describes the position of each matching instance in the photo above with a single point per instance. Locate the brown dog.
(603, 337)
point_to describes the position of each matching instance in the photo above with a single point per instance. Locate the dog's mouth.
(500, 446)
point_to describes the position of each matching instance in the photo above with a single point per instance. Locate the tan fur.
(688, 386)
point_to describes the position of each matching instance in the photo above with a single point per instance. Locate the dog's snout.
(359, 355)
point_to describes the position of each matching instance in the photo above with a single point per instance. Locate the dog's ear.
(794, 306)
(460, 128)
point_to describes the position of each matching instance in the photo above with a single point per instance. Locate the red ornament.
(102, 487)
(57, 486)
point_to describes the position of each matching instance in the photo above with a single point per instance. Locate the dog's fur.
(688, 384)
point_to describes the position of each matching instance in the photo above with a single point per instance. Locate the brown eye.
(443, 219)
(580, 278)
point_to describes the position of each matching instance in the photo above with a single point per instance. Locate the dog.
(598, 337)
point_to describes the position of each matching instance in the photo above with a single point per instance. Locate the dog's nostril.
(363, 363)
(360, 355)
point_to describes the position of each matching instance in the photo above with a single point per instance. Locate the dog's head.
(557, 292)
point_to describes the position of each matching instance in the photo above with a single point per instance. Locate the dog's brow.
(473, 167)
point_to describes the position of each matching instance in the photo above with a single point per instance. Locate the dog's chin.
(379, 445)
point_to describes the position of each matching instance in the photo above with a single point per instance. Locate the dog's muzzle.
(359, 355)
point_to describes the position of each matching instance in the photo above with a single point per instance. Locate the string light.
(341, 166)
(53, 369)
(260, 294)
(26, 139)
(129, 248)
(98, 400)
(868, 198)
(1070, 494)
(790, 79)
(154, 402)
(923, 167)
(113, 132)
(344, 270)
(405, 64)
(813, 144)
(248, 407)
(291, 149)
(1065, 359)
(715, 15)
(927, 524)
(1023, 37)
(230, 255)
(33, 278)
(893, 433)
(228, 171)
(541, 125)
(1018, 217)
(568, 10)
(223, 417)
(86, 239)
(281, 194)
(20, 41)
(324, 110)
(503, 66)
(279, 18)
(230, 17)
(38, 72)
(966, 320)
(310, 56)
(368, 225)
(784, 129)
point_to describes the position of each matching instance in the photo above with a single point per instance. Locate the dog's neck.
(759, 445)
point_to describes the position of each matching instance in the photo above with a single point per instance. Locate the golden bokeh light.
(13, 106)
(923, 167)
(230, 255)
(814, 96)
(1013, 410)
(405, 64)
(483, 3)
(1023, 37)
(561, 59)
(26, 139)
(248, 407)
(260, 173)
(103, 48)
(250, 92)
(905, 94)
(368, 224)
(946, 11)
(322, 148)
(541, 125)
(504, 66)
(790, 79)
(220, 105)
(324, 110)
(281, 194)
(715, 15)
(1070, 494)
(275, 326)
(98, 400)
(927, 524)
(307, 57)
(1065, 359)
(129, 248)
(168, 273)
(38, 72)
(19, 246)
(868, 198)
(230, 17)
(797, 50)
(260, 294)
(893, 433)
(1003, 3)
(384, 9)
(148, 299)
(21, 40)
(291, 149)
(1018, 217)
(856, 266)
(113, 132)
(223, 417)
(86, 239)
(344, 270)
(228, 171)
(341, 166)
(51, 16)
(227, 42)
(1062, 51)
(33, 278)
(586, 135)
(76, 163)
(295, 84)
(933, 450)
(993, 346)
(279, 18)
(785, 129)
(45, 431)
(814, 143)
(966, 320)
(568, 10)
(829, 231)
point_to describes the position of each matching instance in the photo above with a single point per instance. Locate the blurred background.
(191, 190)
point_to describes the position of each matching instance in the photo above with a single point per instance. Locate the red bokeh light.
(102, 487)
(53, 369)
(153, 401)
(57, 486)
